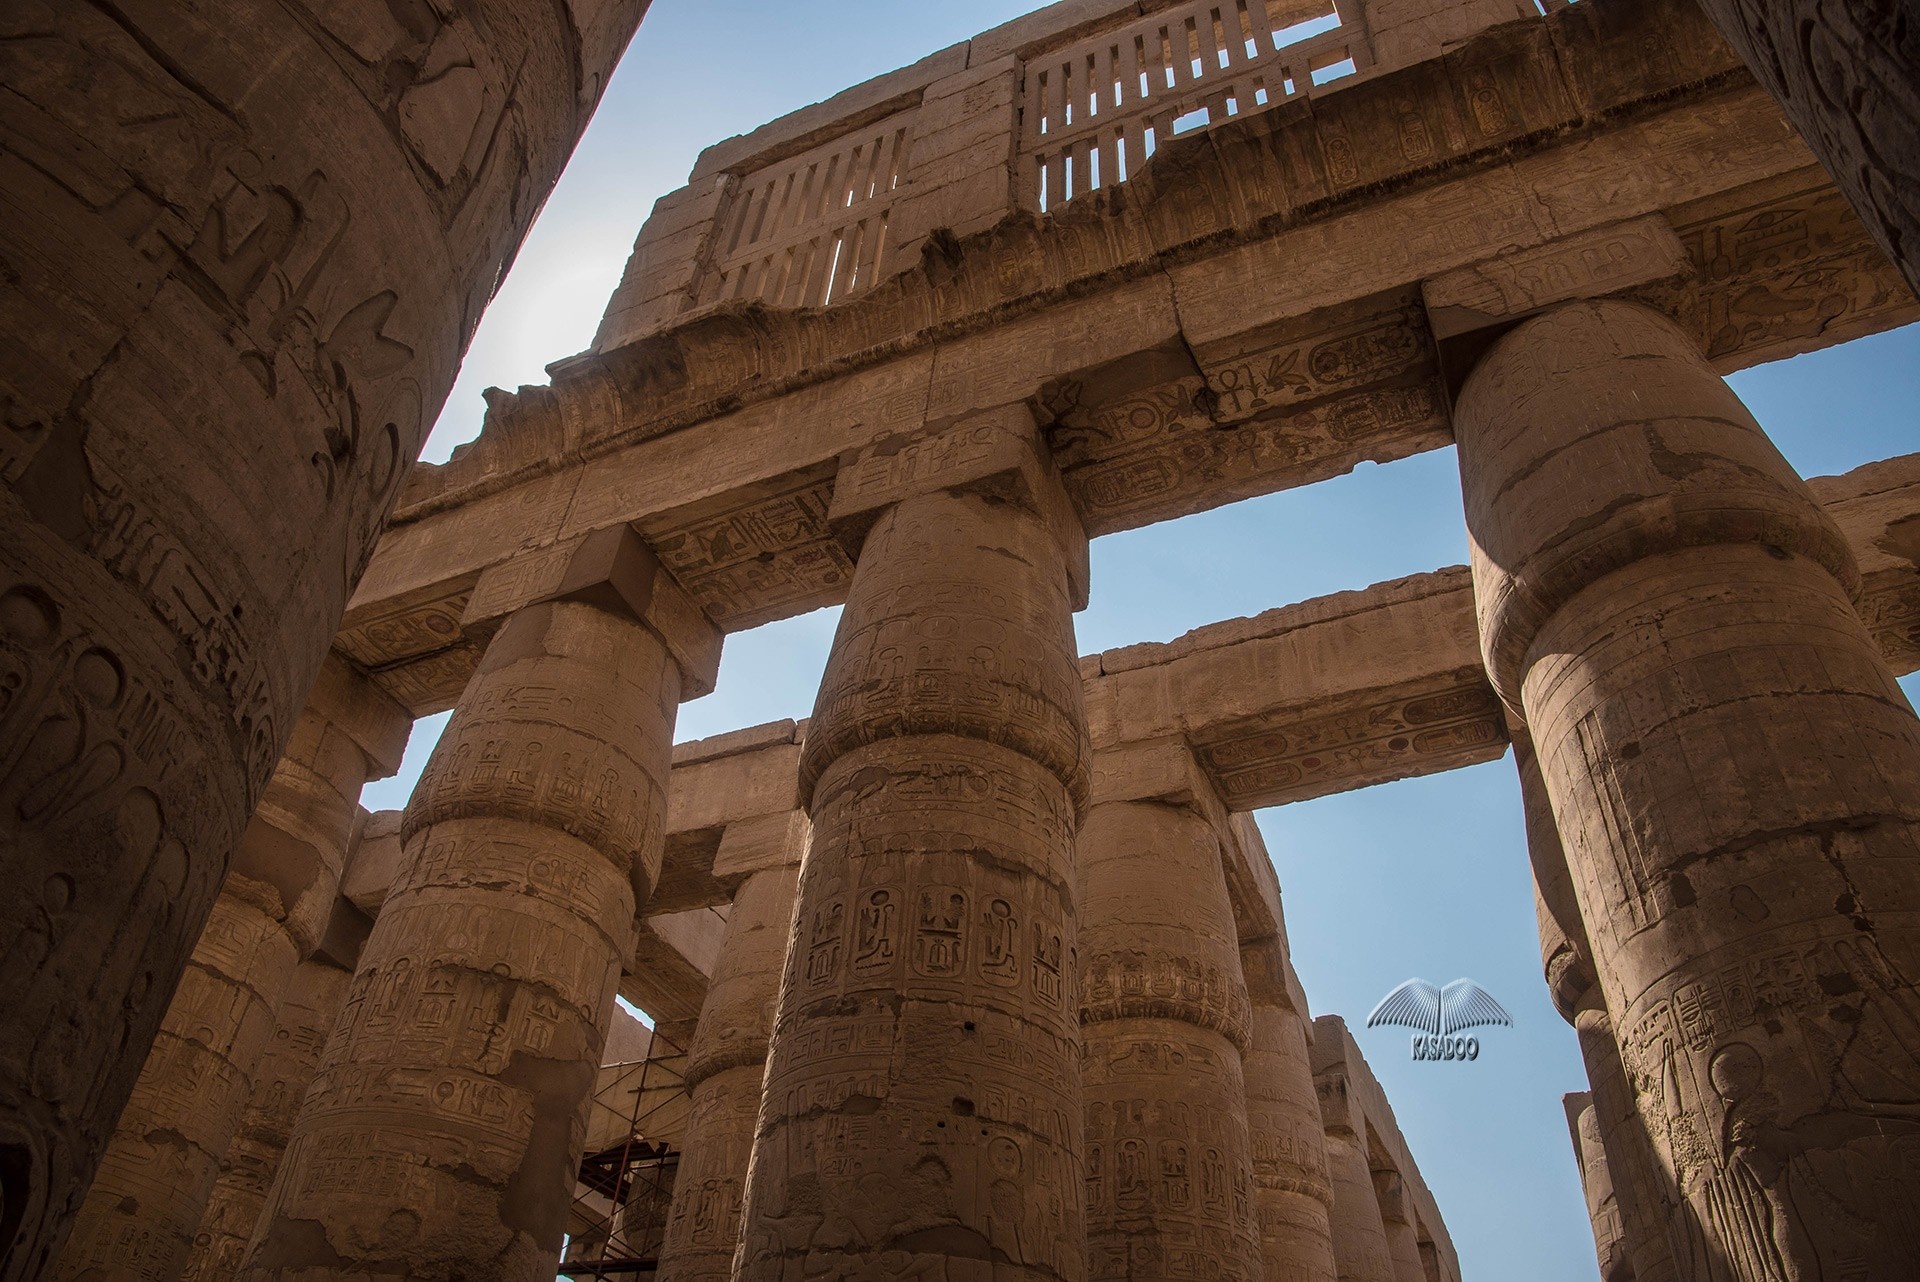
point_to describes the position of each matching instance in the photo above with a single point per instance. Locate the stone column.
(1735, 776)
(1291, 1184)
(139, 1219)
(725, 1066)
(443, 1132)
(922, 1114)
(1396, 1219)
(1848, 77)
(248, 244)
(306, 1015)
(1642, 1192)
(1596, 1181)
(1359, 1233)
(1164, 1016)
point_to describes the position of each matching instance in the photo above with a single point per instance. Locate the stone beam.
(1387, 683)
(1188, 344)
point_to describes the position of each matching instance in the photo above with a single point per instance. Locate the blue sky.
(1426, 877)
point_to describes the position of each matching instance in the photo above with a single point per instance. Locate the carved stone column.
(725, 1067)
(1735, 775)
(306, 1015)
(1641, 1192)
(1596, 1181)
(443, 1132)
(1359, 1233)
(247, 245)
(1848, 77)
(922, 1110)
(1291, 1184)
(139, 1219)
(1164, 1015)
(1396, 1218)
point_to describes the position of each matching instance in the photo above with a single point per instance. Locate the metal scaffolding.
(619, 1215)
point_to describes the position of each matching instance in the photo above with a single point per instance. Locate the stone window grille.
(810, 230)
(1095, 111)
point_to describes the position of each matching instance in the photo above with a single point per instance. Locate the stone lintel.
(1298, 384)
(346, 699)
(772, 733)
(719, 791)
(613, 569)
(999, 452)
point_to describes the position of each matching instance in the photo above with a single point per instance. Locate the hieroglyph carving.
(1845, 75)
(221, 365)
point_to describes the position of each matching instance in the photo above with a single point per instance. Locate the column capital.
(612, 569)
(762, 843)
(1470, 307)
(1594, 436)
(998, 453)
(344, 698)
(1162, 770)
(1271, 980)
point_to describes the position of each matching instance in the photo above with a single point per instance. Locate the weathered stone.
(1734, 772)
(1241, 315)
(1846, 76)
(1643, 1197)
(246, 245)
(1609, 1234)
(907, 349)
(922, 1094)
(140, 1217)
(1292, 1185)
(724, 1069)
(1366, 1158)
(305, 1017)
(1169, 1170)
(443, 1132)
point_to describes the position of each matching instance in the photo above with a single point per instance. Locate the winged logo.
(1439, 1011)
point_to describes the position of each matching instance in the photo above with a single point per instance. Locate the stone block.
(376, 863)
(733, 742)
(1591, 264)
(719, 791)
(997, 452)
(358, 708)
(764, 841)
(610, 569)
(1160, 770)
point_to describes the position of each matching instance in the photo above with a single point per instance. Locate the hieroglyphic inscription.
(925, 1043)
(1780, 268)
(1167, 1145)
(407, 630)
(1280, 405)
(766, 555)
(1154, 983)
(1437, 724)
